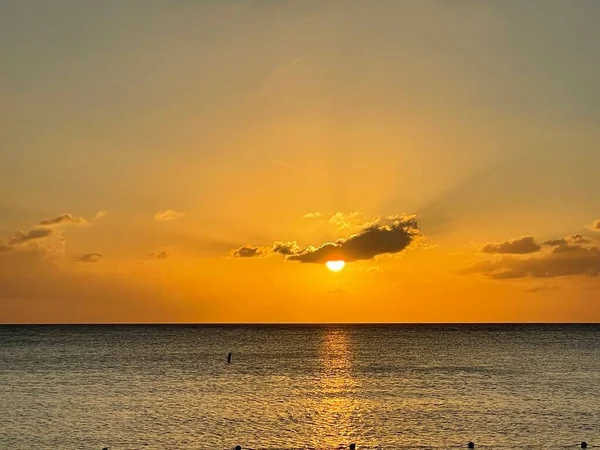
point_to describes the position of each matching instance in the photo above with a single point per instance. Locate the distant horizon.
(216, 324)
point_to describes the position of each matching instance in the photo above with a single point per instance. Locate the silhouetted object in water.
(471, 445)
(229, 358)
(238, 447)
(352, 446)
(105, 448)
(584, 444)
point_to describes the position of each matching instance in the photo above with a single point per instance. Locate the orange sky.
(145, 143)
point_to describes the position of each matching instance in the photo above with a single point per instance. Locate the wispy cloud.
(168, 214)
(63, 219)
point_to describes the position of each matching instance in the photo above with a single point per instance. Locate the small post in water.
(229, 358)
(352, 446)
(471, 445)
(584, 444)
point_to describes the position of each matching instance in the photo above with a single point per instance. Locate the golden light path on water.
(338, 408)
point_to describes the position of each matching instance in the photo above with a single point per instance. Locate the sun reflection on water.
(336, 408)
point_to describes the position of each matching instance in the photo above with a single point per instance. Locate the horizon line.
(286, 323)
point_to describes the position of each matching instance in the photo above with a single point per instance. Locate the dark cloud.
(520, 246)
(563, 260)
(63, 219)
(90, 258)
(248, 252)
(377, 239)
(384, 235)
(36, 233)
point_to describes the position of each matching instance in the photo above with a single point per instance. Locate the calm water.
(170, 387)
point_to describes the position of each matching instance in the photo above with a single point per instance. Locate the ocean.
(295, 386)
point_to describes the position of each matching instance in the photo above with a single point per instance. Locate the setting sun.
(335, 266)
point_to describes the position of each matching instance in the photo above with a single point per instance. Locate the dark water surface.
(405, 386)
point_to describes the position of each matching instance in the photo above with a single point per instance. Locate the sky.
(200, 161)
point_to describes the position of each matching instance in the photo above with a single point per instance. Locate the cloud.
(36, 233)
(518, 246)
(248, 251)
(63, 219)
(596, 225)
(278, 248)
(543, 288)
(45, 228)
(376, 239)
(286, 248)
(562, 260)
(100, 214)
(90, 258)
(168, 214)
(385, 235)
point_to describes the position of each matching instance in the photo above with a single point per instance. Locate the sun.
(335, 266)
